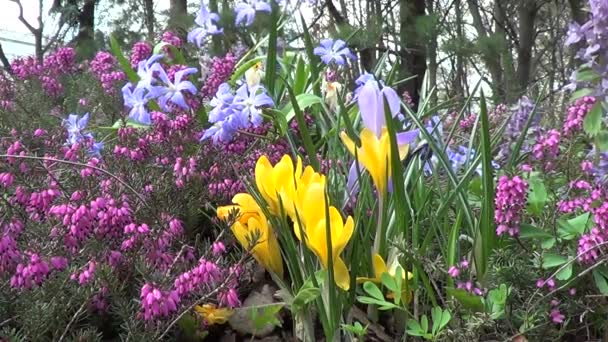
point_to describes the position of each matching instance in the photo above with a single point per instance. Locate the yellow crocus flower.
(252, 227)
(341, 232)
(211, 314)
(374, 155)
(277, 184)
(309, 201)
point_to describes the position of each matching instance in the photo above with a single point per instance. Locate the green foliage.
(440, 319)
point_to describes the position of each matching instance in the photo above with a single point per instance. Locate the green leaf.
(587, 75)
(600, 282)
(304, 101)
(553, 260)
(574, 227)
(469, 301)
(593, 120)
(176, 54)
(424, 323)
(580, 93)
(436, 314)
(271, 60)
(303, 297)
(300, 77)
(278, 118)
(485, 241)
(414, 329)
(122, 61)
(548, 244)
(565, 273)
(601, 140)
(304, 133)
(537, 197)
(312, 58)
(373, 290)
(527, 231)
(263, 315)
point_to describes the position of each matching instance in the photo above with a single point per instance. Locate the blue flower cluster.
(75, 125)
(232, 112)
(154, 83)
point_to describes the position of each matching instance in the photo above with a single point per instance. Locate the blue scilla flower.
(207, 22)
(334, 51)
(245, 11)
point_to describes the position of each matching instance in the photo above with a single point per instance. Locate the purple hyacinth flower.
(333, 51)
(207, 22)
(172, 91)
(245, 11)
(248, 101)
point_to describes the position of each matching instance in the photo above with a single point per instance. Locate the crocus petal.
(371, 107)
(341, 274)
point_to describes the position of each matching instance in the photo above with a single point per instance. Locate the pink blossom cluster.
(468, 122)
(104, 67)
(458, 270)
(172, 38)
(576, 114)
(156, 303)
(556, 316)
(32, 274)
(140, 51)
(546, 149)
(219, 72)
(510, 201)
(204, 274)
(56, 64)
(86, 276)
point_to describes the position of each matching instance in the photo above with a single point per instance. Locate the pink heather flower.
(87, 275)
(30, 275)
(229, 299)
(526, 168)
(205, 273)
(510, 201)
(468, 122)
(157, 304)
(587, 166)
(172, 38)
(572, 291)
(540, 283)
(99, 302)
(220, 71)
(83, 102)
(115, 258)
(59, 263)
(218, 248)
(464, 264)
(546, 148)
(39, 132)
(9, 253)
(139, 52)
(588, 245)
(576, 114)
(6, 179)
(454, 272)
(550, 283)
(556, 316)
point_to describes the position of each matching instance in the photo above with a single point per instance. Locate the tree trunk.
(86, 30)
(149, 18)
(492, 61)
(460, 78)
(5, 63)
(178, 12)
(526, 15)
(412, 51)
(432, 53)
